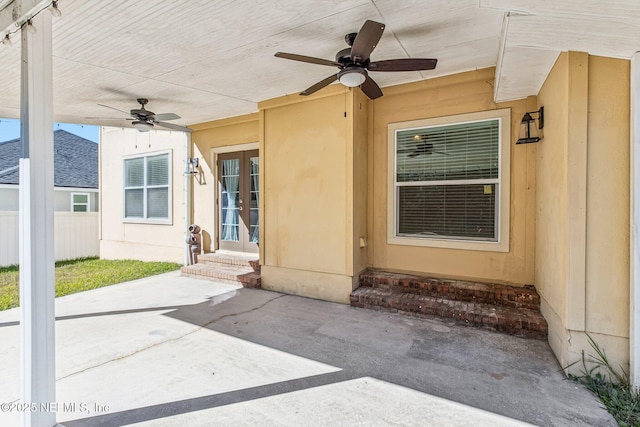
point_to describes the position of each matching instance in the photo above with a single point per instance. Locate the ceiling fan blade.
(403, 64)
(173, 126)
(366, 40)
(167, 116)
(106, 106)
(371, 88)
(108, 118)
(316, 87)
(308, 59)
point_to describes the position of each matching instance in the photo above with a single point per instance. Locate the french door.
(238, 196)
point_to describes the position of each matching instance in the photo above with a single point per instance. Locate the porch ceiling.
(206, 60)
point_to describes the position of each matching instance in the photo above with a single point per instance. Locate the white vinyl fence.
(76, 235)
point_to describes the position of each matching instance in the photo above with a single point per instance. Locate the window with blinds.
(146, 187)
(447, 181)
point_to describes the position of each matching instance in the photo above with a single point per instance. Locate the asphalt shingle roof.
(75, 161)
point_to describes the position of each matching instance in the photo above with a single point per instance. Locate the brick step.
(455, 290)
(244, 276)
(520, 322)
(239, 260)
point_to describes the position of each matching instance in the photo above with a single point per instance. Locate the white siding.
(76, 235)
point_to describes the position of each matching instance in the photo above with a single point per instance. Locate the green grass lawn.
(81, 275)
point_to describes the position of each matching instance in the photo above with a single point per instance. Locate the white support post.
(37, 282)
(634, 250)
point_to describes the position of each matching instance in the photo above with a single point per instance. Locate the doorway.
(238, 200)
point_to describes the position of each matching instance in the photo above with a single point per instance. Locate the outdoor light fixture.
(352, 76)
(192, 166)
(142, 126)
(528, 130)
(31, 28)
(54, 9)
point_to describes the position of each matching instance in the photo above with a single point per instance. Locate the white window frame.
(73, 204)
(503, 181)
(144, 219)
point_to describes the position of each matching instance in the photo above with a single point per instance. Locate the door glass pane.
(254, 198)
(229, 200)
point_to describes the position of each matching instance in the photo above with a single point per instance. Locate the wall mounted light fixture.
(192, 166)
(528, 130)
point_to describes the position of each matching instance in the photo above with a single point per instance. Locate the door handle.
(239, 208)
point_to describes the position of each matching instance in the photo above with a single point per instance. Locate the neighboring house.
(75, 197)
(324, 186)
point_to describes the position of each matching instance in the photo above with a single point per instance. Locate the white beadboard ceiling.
(206, 60)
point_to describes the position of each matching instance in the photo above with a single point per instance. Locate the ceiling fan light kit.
(355, 65)
(352, 76)
(142, 126)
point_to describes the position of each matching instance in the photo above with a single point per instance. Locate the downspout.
(634, 223)
(187, 195)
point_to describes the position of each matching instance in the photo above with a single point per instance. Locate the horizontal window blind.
(453, 152)
(447, 181)
(448, 211)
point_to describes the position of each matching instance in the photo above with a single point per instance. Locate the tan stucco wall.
(551, 206)
(582, 273)
(232, 132)
(309, 183)
(147, 242)
(457, 94)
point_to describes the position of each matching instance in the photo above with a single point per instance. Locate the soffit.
(209, 60)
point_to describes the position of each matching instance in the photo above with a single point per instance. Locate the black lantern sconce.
(528, 130)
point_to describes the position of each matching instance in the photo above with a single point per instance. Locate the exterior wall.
(143, 241)
(76, 236)
(445, 96)
(310, 176)
(9, 198)
(61, 198)
(361, 178)
(232, 134)
(582, 273)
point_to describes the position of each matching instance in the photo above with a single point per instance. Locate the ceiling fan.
(144, 120)
(355, 65)
(422, 148)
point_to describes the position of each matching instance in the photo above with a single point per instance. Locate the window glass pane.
(134, 203)
(80, 198)
(157, 203)
(451, 211)
(158, 170)
(451, 152)
(79, 208)
(134, 172)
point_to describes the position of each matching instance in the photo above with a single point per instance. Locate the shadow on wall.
(206, 242)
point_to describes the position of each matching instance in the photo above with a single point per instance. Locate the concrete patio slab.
(169, 350)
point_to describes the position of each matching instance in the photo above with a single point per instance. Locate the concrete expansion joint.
(168, 340)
